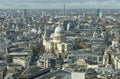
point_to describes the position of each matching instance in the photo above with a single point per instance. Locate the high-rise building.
(25, 13)
(64, 9)
(25, 18)
(99, 13)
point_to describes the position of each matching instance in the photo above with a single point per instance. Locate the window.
(100, 59)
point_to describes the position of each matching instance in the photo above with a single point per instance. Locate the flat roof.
(19, 53)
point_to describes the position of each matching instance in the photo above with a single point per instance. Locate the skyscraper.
(99, 13)
(64, 9)
(25, 18)
(25, 13)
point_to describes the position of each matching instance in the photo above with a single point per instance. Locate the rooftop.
(59, 29)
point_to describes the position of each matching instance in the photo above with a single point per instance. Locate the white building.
(57, 41)
(112, 53)
(77, 75)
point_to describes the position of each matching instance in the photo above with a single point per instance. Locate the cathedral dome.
(59, 30)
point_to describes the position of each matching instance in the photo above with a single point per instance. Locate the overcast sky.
(58, 4)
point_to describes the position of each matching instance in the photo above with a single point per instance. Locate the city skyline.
(60, 43)
(54, 4)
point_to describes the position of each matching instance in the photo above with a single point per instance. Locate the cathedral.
(56, 42)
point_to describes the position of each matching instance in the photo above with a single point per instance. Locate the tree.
(8, 58)
(81, 45)
(38, 48)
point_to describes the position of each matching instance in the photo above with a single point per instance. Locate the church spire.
(95, 33)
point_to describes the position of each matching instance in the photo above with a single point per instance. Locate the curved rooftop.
(59, 29)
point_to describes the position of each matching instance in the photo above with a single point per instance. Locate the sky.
(58, 4)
